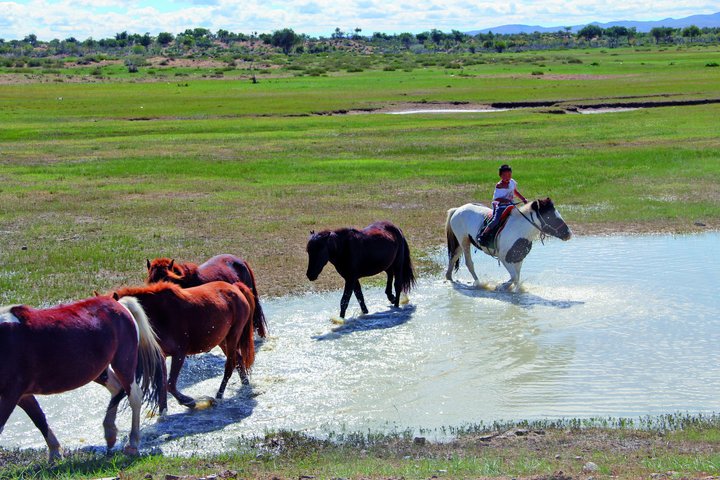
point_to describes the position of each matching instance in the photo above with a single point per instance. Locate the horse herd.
(121, 339)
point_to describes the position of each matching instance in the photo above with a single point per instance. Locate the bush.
(712, 64)
(537, 72)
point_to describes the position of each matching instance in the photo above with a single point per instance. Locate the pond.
(621, 326)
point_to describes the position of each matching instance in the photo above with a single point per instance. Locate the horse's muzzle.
(566, 235)
(312, 276)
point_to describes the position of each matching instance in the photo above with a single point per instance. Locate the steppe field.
(101, 169)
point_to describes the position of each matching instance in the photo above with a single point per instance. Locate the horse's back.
(228, 268)
(64, 347)
(467, 219)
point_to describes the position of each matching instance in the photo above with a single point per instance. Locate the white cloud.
(103, 18)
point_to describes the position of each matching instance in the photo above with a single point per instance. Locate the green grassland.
(97, 176)
(100, 171)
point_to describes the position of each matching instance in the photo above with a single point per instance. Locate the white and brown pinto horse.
(62, 348)
(512, 244)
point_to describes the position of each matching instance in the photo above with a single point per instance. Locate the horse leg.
(398, 286)
(359, 295)
(117, 393)
(345, 300)
(135, 398)
(31, 406)
(469, 262)
(389, 286)
(230, 363)
(514, 271)
(451, 263)
(7, 404)
(175, 365)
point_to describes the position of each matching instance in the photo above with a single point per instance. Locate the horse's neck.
(190, 273)
(524, 227)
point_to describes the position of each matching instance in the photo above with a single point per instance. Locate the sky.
(49, 19)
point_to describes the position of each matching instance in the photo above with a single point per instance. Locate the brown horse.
(379, 247)
(226, 268)
(62, 348)
(195, 320)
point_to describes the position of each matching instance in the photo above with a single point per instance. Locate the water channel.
(621, 326)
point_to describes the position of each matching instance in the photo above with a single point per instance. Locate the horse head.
(319, 248)
(551, 223)
(163, 269)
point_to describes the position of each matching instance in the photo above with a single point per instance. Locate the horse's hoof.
(204, 403)
(477, 284)
(130, 451)
(54, 456)
(404, 299)
(337, 321)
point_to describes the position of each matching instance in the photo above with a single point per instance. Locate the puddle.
(622, 326)
(447, 110)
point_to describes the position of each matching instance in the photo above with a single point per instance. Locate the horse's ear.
(96, 293)
(312, 232)
(535, 205)
(147, 261)
(172, 262)
(116, 296)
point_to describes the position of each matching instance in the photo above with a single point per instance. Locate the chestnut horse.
(62, 348)
(379, 247)
(227, 268)
(195, 320)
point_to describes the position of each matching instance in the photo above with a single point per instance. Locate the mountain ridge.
(701, 21)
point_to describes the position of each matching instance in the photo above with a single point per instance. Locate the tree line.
(287, 41)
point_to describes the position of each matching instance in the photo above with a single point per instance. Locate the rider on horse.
(505, 192)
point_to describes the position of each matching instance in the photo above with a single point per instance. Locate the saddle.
(492, 234)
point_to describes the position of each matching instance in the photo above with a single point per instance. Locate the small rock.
(306, 477)
(521, 432)
(442, 471)
(172, 477)
(148, 476)
(24, 247)
(211, 477)
(229, 474)
(419, 440)
(700, 224)
(590, 467)
(557, 456)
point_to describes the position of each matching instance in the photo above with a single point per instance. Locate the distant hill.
(701, 21)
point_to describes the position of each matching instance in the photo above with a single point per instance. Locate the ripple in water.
(607, 326)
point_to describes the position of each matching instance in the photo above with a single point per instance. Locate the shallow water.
(448, 110)
(607, 326)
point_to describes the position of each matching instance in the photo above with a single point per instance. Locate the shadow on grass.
(374, 321)
(88, 462)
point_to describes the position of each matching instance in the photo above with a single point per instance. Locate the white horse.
(525, 224)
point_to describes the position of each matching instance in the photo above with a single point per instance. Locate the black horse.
(379, 247)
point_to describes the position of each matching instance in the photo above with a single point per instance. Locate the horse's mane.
(147, 289)
(544, 205)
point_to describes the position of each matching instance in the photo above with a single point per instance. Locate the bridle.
(545, 228)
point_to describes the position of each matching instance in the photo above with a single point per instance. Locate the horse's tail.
(408, 275)
(149, 372)
(452, 241)
(247, 340)
(247, 276)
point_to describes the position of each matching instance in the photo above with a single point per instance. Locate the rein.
(531, 222)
